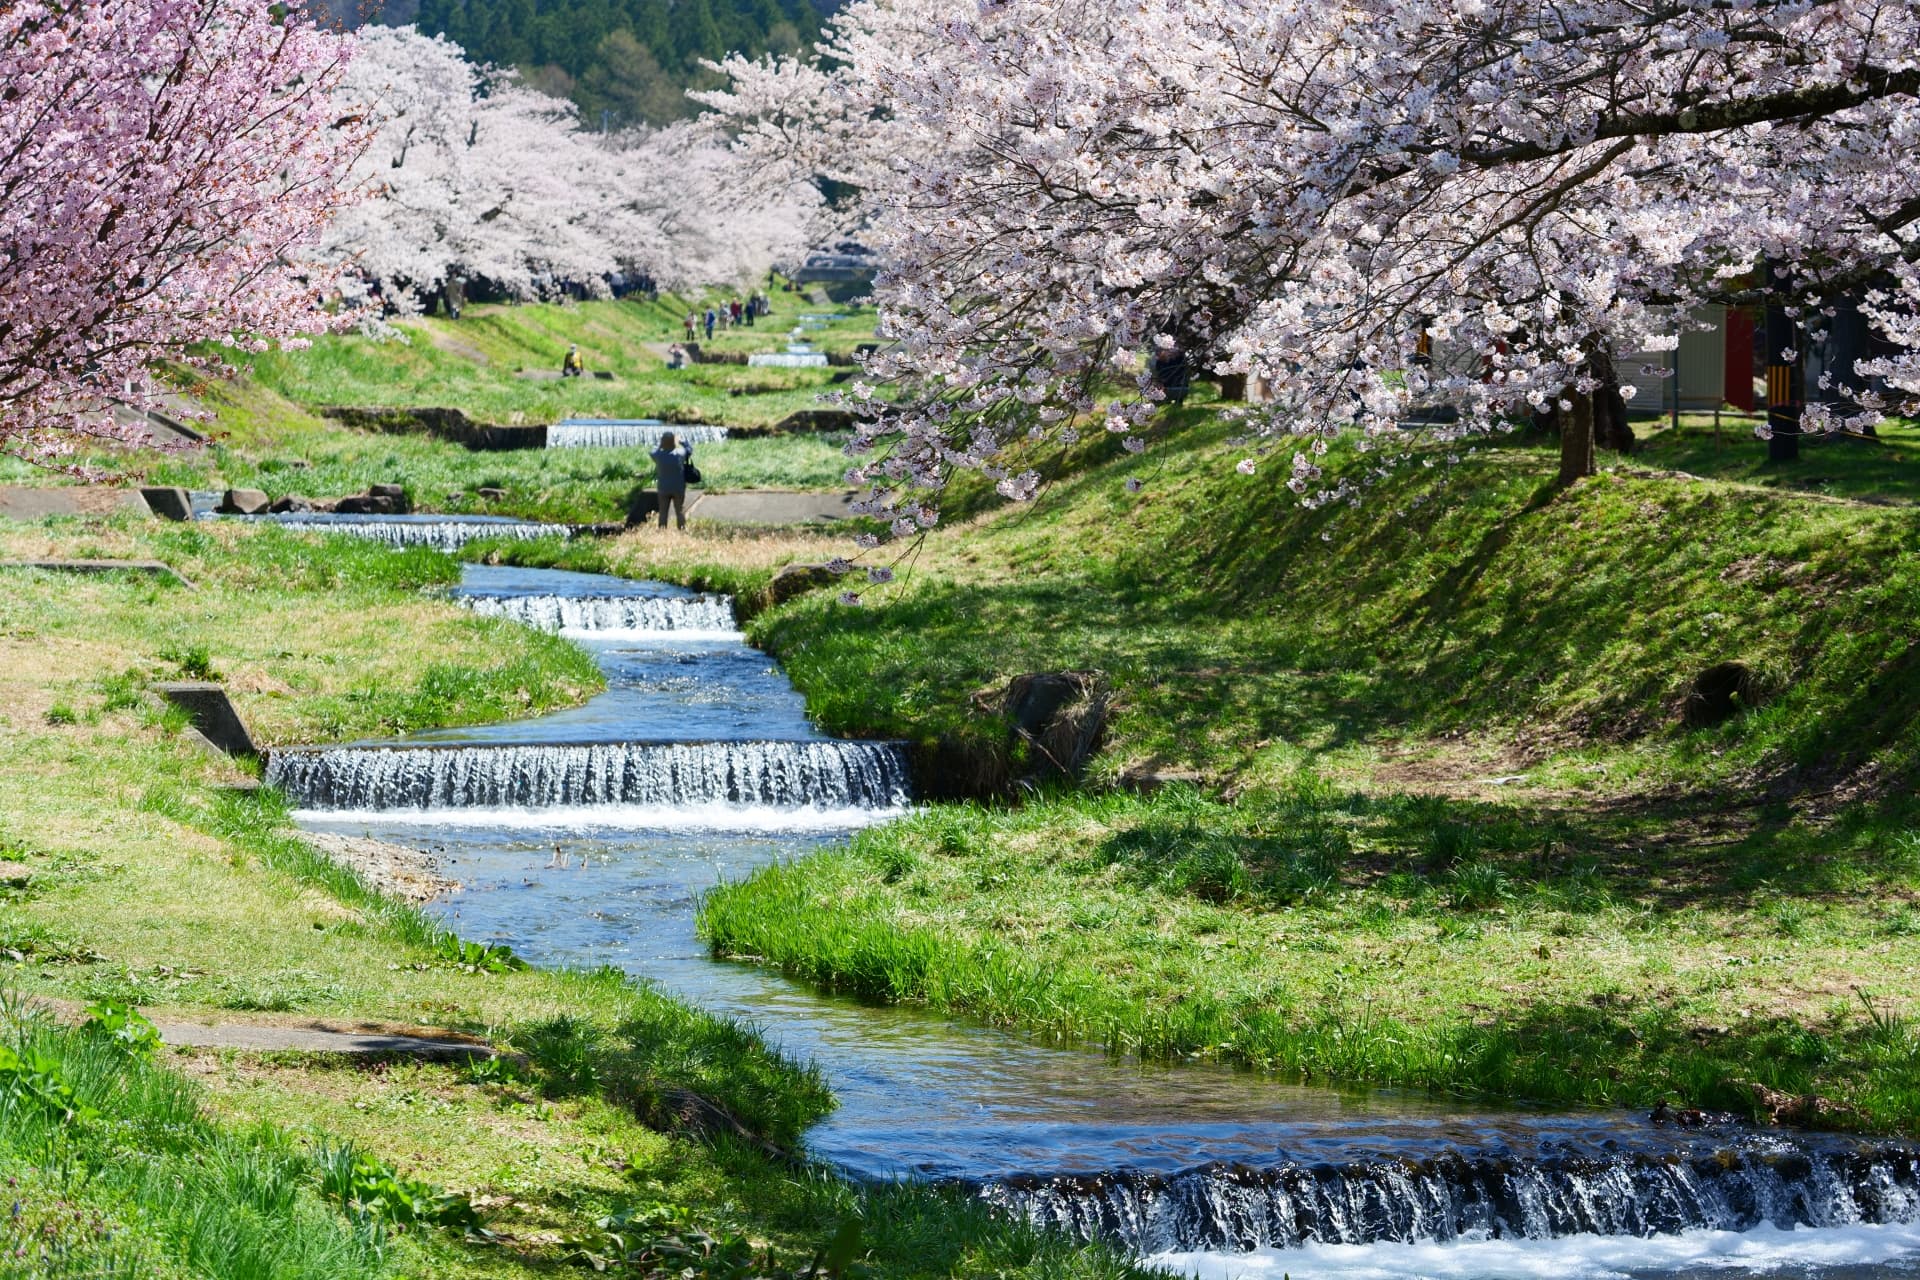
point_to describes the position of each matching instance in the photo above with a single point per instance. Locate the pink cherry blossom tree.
(164, 165)
(1370, 207)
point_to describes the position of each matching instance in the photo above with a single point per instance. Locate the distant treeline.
(624, 61)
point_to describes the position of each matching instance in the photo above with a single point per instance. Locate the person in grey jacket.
(670, 477)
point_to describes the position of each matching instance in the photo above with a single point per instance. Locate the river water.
(587, 836)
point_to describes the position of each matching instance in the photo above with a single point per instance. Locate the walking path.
(771, 506)
(25, 502)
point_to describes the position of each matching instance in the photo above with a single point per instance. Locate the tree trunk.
(1576, 438)
(1610, 428)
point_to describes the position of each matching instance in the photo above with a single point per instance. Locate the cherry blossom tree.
(473, 174)
(823, 121)
(164, 164)
(685, 208)
(470, 174)
(1371, 207)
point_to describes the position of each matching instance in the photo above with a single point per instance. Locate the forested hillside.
(623, 61)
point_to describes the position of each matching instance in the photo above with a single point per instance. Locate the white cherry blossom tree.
(1318, 194)
(475, 175)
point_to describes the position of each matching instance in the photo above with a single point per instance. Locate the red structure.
(1739, 362)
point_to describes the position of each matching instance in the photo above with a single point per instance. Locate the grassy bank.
(268, 432)
(626, 1127)
(475, 364)
(1461, 835)
(272, 444)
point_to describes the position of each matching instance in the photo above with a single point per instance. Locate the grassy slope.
(1631, 909)
(472, 364)
(273, 445)
(267, 432)
(152, 887)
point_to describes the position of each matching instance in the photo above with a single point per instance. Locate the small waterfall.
(788, 775)
(625, 433)
(442, 533)
(789, 359)
(685, 614)
(1240, 1208)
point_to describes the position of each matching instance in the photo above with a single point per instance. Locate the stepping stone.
(317, 1039)
(25, 502)
(155, 568)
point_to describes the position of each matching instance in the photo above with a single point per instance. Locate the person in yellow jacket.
(573, 366)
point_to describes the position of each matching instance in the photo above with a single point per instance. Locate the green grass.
(472, 364)
(268, 432)
(1884, 469)
(125, 1175)
(1471, 845)
(318, 638)
(292, 455)
(1463, 948)
(1461, 603)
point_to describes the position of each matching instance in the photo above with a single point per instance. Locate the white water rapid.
(615, 617)
(622, 433)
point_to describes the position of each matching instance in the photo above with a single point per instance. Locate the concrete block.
(168, 502)
(212, 713)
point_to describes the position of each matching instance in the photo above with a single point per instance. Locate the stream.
(587, 836)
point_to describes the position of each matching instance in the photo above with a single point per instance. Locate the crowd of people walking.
(727, 315)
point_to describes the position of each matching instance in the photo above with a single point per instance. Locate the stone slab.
(153, 568)
(316, 1039)
(168, 502)
(26, 502)
(771, 507)
(163, 429)
(213, 714)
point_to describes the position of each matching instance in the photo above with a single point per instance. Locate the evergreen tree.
(631, 59)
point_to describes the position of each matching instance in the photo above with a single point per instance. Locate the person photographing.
(673, 471)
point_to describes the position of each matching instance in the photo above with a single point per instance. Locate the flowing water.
(626, 433)
(442, 533)
(587, 836)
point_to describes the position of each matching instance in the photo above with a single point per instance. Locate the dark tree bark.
(1610, 428)
(1576, 438)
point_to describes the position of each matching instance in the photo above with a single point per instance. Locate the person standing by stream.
(671, 463)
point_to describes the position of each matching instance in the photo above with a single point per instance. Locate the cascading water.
(627, 433)
(440, 532)
(605, 615)
(791, 775)
(585, 836)
(1748, 1182)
